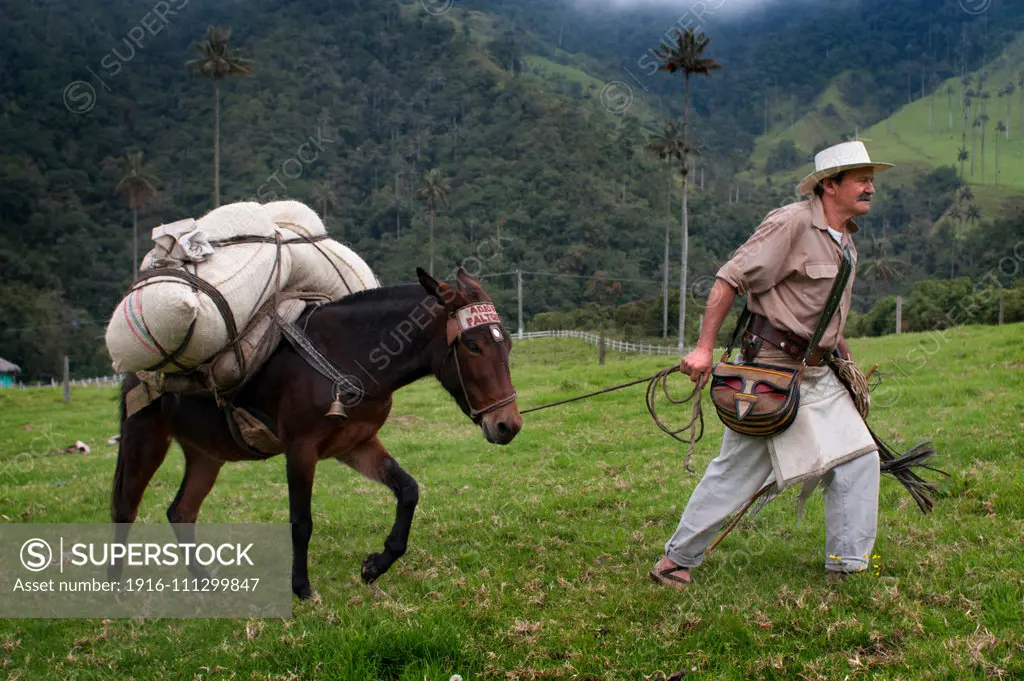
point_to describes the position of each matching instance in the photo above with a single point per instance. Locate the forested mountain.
(505, 97)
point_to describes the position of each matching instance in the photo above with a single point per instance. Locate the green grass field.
(530, 561)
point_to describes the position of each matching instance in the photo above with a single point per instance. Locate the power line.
(557, 275)
(78, 324)
(567, 276)
(498, 274)
(585, 276)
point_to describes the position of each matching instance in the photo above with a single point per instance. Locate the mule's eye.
(473, 347)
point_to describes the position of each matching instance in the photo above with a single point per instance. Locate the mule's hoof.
(371, 571)
(200, 572)
(303, 591)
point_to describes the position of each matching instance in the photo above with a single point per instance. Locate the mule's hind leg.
(200, 474)
(373, 461)
(145, 439)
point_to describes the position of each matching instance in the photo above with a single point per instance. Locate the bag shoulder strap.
(835, 296)
(741, 324)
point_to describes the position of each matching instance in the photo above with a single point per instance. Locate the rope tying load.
(208, 283)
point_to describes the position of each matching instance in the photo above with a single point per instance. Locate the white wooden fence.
(610, 344)
(75, 382)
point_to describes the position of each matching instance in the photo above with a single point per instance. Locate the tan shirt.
(787, 267)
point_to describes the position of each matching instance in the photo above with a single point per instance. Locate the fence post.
(67, 379)
(600, 348)
(519, 290)
(1000, 306)
(899, 314)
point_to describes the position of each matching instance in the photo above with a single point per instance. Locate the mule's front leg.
(373, 461)
(301, 465)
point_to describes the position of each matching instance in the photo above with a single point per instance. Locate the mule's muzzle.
(502, 425)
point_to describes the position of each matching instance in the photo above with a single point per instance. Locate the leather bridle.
(457, 324)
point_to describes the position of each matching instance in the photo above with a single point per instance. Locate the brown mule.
(380, 339)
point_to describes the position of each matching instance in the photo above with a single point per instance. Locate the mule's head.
(475, 367)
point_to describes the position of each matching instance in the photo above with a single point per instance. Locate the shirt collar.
(818, 217)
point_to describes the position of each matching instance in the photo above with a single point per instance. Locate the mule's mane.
(398, 295)
(392, 293)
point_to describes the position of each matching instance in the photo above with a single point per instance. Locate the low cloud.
(720, 7)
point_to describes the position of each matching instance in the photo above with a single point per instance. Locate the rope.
(697, 415)
(207, 288)
(855, 381)
(599, 392)
(653, 382)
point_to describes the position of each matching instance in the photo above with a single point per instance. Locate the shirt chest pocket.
(821, 270)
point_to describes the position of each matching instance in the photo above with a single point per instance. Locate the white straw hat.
(845, 156)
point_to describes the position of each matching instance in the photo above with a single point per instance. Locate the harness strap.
(463, 319)
(304, 346)
(475, 414)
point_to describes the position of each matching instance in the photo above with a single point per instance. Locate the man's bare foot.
(667, 572)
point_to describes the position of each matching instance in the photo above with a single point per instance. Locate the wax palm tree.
(973, 213)
(325, 198)
(974, 138)
(668, 146)
(218, 61)
(881, 264)
(956, 215)
(1020, 107)
(1007, 92)
(434, 189)
(949, 92)
(961, 156)
(1000, 129)
(140, 187)
(685, 56)
(982, 120)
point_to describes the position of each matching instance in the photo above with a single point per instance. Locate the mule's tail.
(119, 470)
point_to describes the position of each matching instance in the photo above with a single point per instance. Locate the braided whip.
(900, 466)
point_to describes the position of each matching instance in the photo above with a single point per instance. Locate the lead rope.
(655, 381)
(696, 417)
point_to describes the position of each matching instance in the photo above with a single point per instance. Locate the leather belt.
(759, 330)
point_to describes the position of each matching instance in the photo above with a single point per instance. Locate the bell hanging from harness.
(337, 410)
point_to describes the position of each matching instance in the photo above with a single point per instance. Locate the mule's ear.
(438, 289)
(465, 281)
(469, 286)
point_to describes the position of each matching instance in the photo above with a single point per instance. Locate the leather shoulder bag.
(762, 399)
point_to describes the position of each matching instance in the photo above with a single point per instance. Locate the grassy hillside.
(926, 133)
(530, 561)
(914, 135)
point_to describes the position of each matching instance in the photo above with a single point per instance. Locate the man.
(787, 269)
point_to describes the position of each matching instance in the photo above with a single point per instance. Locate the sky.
(724, 7)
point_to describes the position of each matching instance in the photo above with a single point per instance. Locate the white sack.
(316, 266)
(157, 313)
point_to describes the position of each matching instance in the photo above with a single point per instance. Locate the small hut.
(7, 372)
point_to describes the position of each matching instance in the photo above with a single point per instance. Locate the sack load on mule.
(202, 314)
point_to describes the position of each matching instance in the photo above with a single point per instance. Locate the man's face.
(853, 195)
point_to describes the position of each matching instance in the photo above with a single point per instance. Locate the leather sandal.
(667, 576)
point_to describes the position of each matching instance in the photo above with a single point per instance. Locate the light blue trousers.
(743, 466)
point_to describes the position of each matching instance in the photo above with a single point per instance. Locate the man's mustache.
(864, 197)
